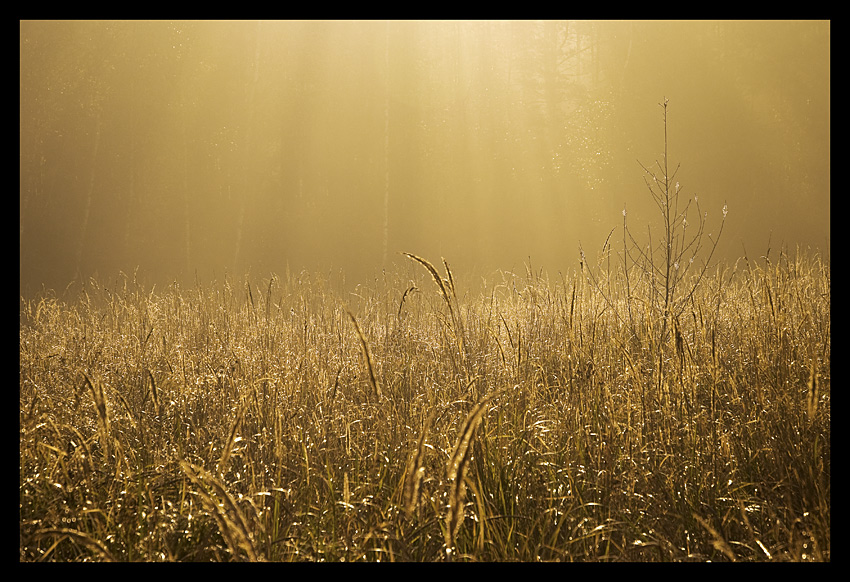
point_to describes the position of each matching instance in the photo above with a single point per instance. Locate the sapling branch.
(671, 267)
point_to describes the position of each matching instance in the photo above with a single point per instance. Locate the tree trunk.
(89, 193)
(386, 142)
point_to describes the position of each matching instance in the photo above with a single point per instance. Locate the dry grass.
(246, 421)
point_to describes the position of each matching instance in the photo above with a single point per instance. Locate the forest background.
(192, 150)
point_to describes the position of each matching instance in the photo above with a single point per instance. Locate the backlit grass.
(414, 419)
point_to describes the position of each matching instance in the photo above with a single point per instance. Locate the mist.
(192, 151)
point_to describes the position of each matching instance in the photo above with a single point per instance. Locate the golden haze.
(191, 150)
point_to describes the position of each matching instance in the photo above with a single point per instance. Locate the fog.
(191, 151)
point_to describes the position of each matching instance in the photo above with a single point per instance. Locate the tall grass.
(289, 419)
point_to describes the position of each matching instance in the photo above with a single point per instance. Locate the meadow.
(429, 416)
